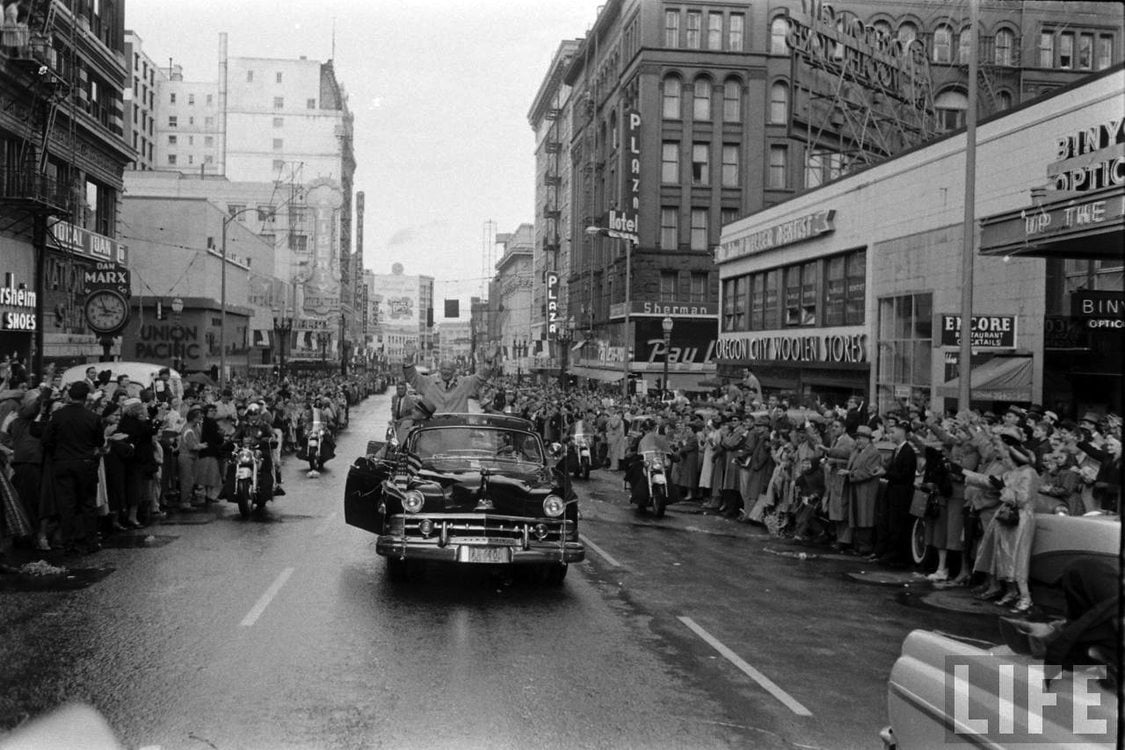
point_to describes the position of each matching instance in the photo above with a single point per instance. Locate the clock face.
(106, 311)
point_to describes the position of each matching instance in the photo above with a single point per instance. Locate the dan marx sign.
(779, 235)
(989, 331)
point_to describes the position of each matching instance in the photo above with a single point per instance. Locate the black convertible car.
(467, 488)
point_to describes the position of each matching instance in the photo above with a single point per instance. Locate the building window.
(278, 144)
(669, 229)
(249, 76)
(278, 122)
(779, 30)
(730, 165)
(734, 303)
(208, 159)
(714, 30)
(172, 98)
(905, 348)
(668, 281)
(279, 77)
(779, 103)
(964, 46)
(265, 214)
(1085, 51)
(694, 27)
(298, 243)
(943, 44)
(1046, 49)
(732, 101)
(951, 107)
(672, 28)
(208, 141)
(1066, 50)
(278, 165)
(735, 32)
(1003, 101)
(191, 159)
(670, 162)
(210, 99)
(701, 101)
(883, 27)
(1004, 42)
(699, 229)
(698, 293)
(191, 100)
(172, 121)
(907, 32)
(208, 122)
(172, 159)
(700, 164)
(672, 98)
(279, 102)
(793, 296)
(172, 140)
(855, 308)
(1105, 51)
(835, 291)
(814, 169)
(779, 167)
(727, 216)
(310, 104)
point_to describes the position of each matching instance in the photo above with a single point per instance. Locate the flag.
(406, 468)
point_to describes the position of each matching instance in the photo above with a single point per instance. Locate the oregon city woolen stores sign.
(827, 348)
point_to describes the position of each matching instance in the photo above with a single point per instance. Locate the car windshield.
(469, 445)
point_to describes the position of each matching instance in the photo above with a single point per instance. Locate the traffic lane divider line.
(608, 557)
(769, 685)
(264, 601)
(325, 524)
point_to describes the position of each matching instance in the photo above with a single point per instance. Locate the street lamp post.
(223, 295)
(177, 338)
(282, 328)
(323, 339)
(666, 324)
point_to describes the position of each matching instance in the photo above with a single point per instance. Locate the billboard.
(316, 261)
(398, 298)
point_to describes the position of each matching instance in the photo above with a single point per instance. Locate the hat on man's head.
(762, 421)
(864, 431)
(1051, 416)
(1091, 417)
(425, 406)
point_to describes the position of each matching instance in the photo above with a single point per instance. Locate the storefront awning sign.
(1037, 230)
(88, 244)
(779, 235)
(989, 331)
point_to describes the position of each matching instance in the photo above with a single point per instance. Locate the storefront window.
(773, 299)
(835, 291)
(757, 302)
(905, 350)
(793, 296)
(855, 306)
(809, 285)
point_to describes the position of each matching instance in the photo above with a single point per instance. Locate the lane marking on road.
(608, 557)
(770, 686)
(325, 524)
(253, 615)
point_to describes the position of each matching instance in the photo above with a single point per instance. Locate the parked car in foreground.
(467, 489)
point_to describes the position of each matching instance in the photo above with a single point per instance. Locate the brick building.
(690, 106)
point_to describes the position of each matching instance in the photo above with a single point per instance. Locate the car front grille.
(483, 529)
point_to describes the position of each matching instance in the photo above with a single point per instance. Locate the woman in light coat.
(615, 437)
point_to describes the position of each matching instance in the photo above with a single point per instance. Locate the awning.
(596, 373)
(686, 381)
(998, 379)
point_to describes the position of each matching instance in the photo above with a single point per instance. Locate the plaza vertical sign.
(552, 280)
(625, 223)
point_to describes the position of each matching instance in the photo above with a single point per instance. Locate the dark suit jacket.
(73, 434)
(902, 467)
(402, 410)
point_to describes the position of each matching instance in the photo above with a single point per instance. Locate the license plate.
(243, 473)
(585, 453)
(484, 554)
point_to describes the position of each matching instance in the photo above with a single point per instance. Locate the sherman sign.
(779, 235)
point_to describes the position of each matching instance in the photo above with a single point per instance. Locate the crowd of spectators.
(851, 479)
(103, 455)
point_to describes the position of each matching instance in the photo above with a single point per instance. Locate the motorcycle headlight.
(553, 506)
(1062, 510)
(412, 501)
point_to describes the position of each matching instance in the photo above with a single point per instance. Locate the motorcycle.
(249, 489)
(654, 464)
(315, 451)
(583, 454)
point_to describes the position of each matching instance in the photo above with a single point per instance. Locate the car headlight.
(553, 506)
(412, 501)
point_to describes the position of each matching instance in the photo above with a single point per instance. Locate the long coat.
(686, 471)
(838, 454)
(1005, 551)
(615, 438)
(863, 485)
(733, 446)
(710, 440)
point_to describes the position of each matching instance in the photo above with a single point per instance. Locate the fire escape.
(29, 190)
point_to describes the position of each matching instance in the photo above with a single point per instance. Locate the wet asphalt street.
(283, 632)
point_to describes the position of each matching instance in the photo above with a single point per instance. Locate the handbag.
(1007, 515)
(919, 503)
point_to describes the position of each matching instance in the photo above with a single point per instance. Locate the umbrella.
(200, 379)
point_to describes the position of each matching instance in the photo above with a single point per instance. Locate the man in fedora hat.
(900, 475)
(862, 473)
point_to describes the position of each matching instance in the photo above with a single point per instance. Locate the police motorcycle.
(655, 465)
(646, 475)
(252, 485)
(582, 455)
(318, 446)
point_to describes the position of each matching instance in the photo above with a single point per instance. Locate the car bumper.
(502, 554)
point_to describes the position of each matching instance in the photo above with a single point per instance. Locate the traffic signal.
(160, 312)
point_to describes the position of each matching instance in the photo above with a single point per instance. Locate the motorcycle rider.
(260, 434)
(319, 416)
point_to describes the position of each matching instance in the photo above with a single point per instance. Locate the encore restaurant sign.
(989, 331)
(779, 235)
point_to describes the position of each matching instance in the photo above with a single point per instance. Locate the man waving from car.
(450, 393)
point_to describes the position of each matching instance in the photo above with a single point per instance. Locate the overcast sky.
(440, 90)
